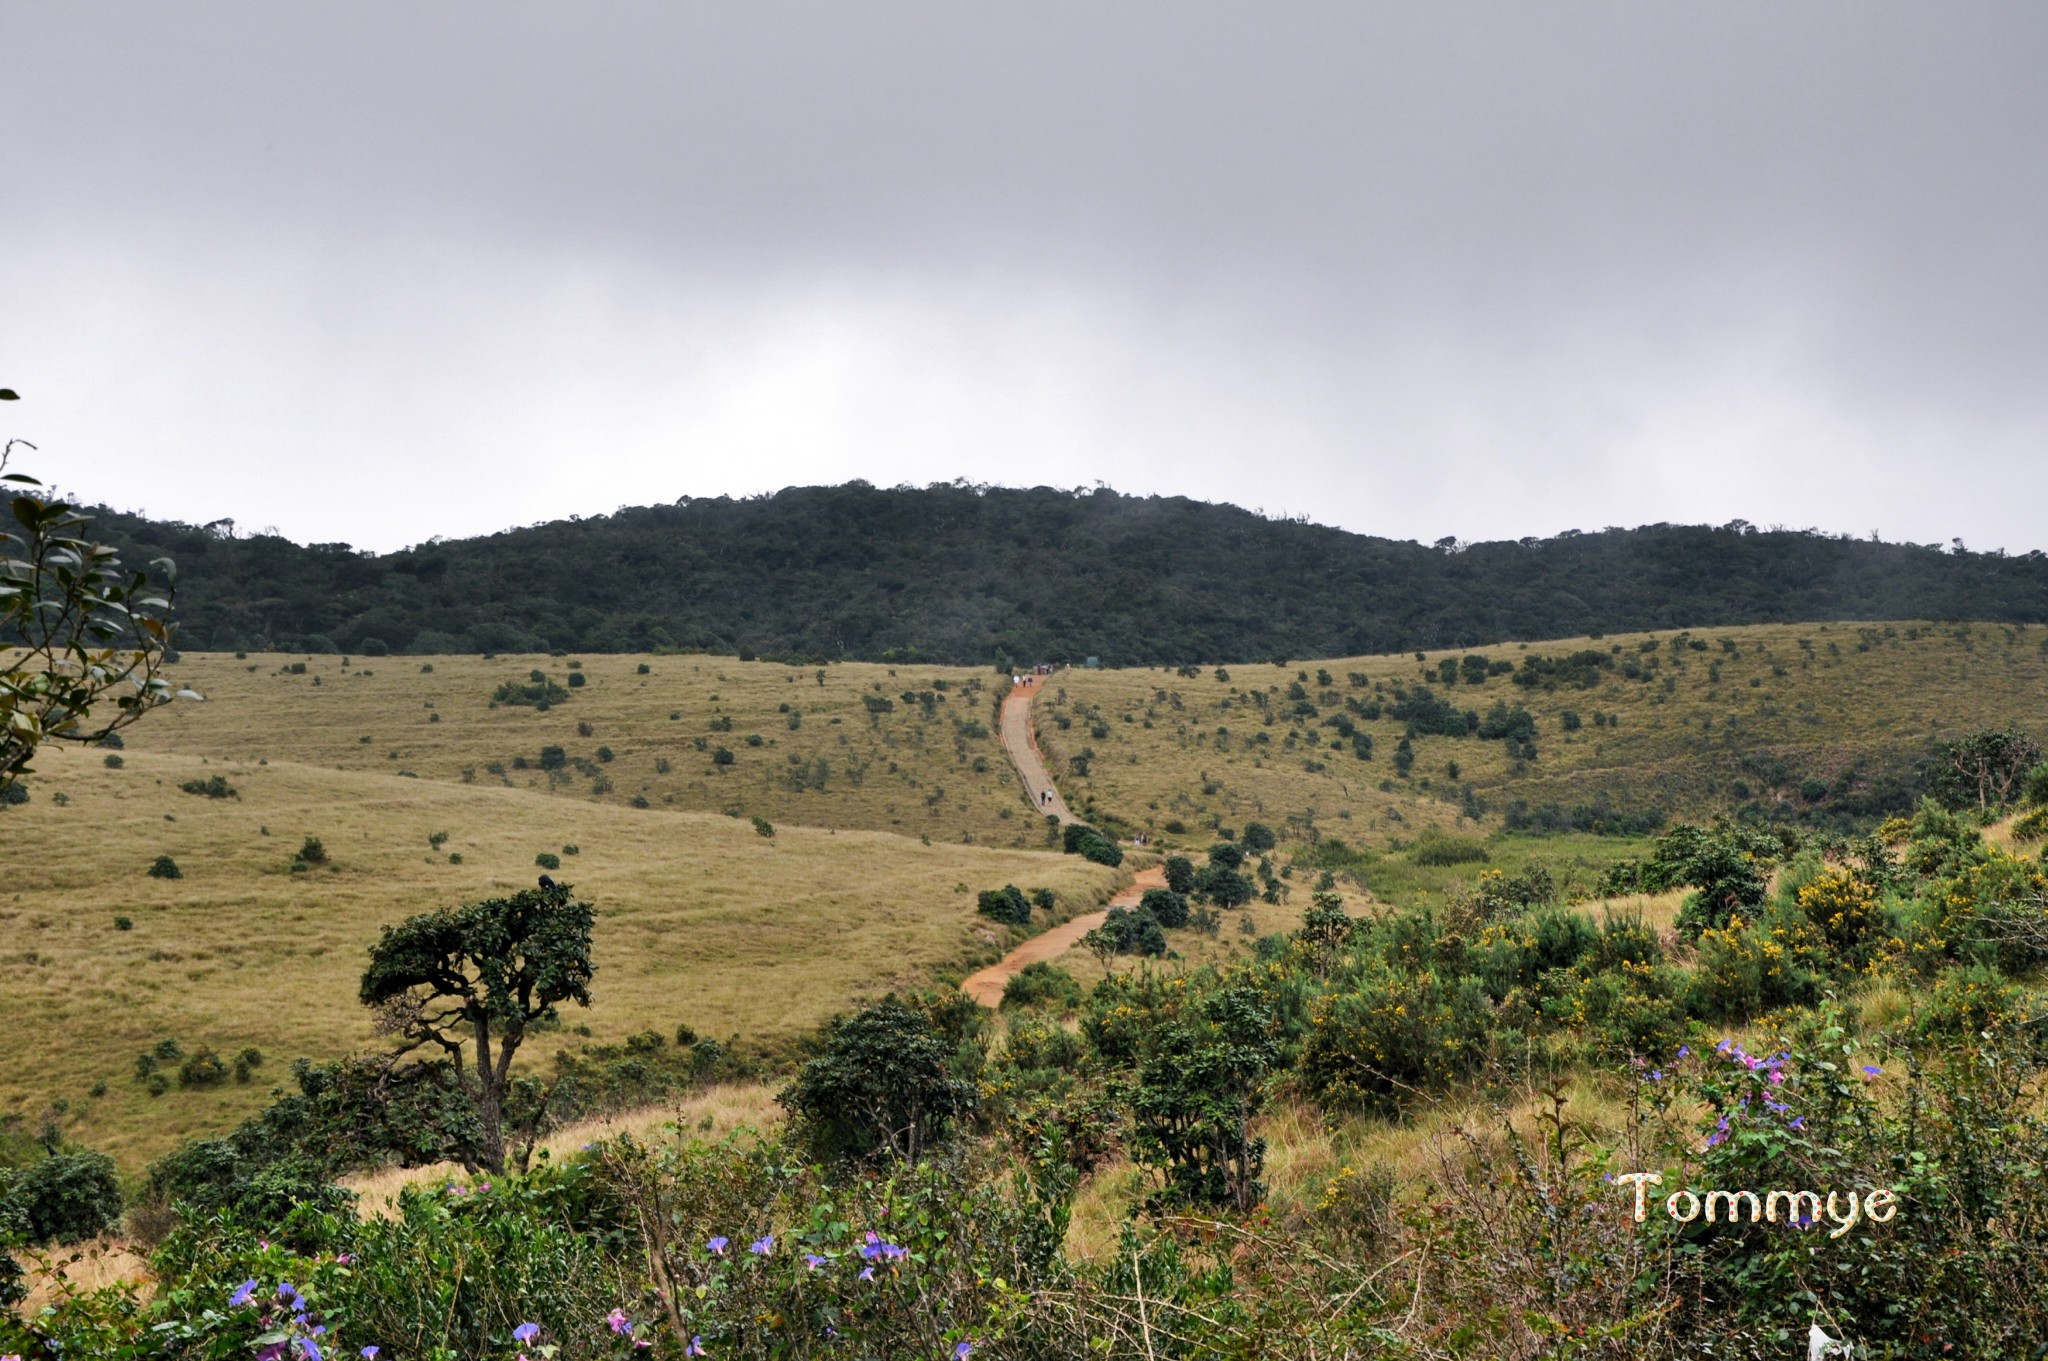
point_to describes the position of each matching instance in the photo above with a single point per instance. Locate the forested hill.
(957, 573)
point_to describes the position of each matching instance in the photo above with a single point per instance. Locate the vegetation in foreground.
(1827, 1015)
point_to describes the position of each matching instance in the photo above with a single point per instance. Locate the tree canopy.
(958, 573)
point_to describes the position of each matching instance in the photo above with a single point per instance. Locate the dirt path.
(987, 986)
(1023, 751)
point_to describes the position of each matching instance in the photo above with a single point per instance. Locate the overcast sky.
(377, 272)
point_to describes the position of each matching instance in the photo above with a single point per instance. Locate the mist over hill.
(960, 573)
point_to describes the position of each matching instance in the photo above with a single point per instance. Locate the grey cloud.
(1483, 269)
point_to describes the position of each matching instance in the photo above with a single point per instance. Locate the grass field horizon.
(892, 803)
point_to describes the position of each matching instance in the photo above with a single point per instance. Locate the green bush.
(163, 867)
(214, 788)
(763, 827)
(312, 852)
(111, 761)
(1039, 984)
(203, 1068)
(1180, 874)
(64, 1197)
(1434, 848)
(881, 1088)
(1006, 904)
(1168, 908)
(548, 860)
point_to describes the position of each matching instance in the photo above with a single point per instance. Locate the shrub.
(1180, 874)
(643, 669)
(538, 693)
(1223, 887)
(112, 762)
(202, 1069)
(163, 867)
(552, 757)
(1045, 898)
(1037, 984)
(577, 680)
(215, 788)
(312, 852)
(763, 827)
(1132, 933)
(1167, 907)
(1006, 904)
(721, 756)
(124, 924)
(880, 1089)
(548, 860)
(65, 1197)
(604, 753)
(1434, 848)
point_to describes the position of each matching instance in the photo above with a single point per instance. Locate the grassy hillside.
(701, 920)
(805, 746)
(1810, 721)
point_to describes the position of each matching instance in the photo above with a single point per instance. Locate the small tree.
(1985, 768)
(79, 628)
(880, 1089)
(1180, 874)
(472, 980)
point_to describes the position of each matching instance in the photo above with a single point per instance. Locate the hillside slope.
(960, 574)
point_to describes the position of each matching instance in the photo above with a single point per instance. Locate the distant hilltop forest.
(966, 574)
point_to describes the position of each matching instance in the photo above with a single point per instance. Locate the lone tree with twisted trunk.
(472, 980)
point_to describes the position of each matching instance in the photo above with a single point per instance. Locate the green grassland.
(702, 920)
(806, 748)
(1809, 720)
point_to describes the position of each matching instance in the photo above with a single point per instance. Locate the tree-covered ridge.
(959, 573)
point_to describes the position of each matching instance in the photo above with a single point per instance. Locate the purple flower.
(1871, 1070)
(526, 1332)
(1656, 1075)
(813, 1260)
(1776, 1107)
(311, 1349)
(369, 1354)
(620, 1324)
(960, 1352)
(763, 1245)
(867, 1273)
(1722, 1047)
(696, 1347)
(243, 1293)
(1685, 1051)
(718, 1244)
(1797, 1122)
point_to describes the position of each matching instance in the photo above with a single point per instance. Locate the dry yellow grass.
(701, 920)
(1870, 694)
(710, 1115)
(899, 771)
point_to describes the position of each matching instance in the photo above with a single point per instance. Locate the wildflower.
(369, 1354)
(620, 1324)
(1776, 1107)
(960, 1352)
(718, 1244)
(696, 1348)
(1871, 1070)
(526, 1332)
(343, 1259)
(243, 1293)
(1777, 1076)
(1722, 1047)
(867, 1273)
(1685, 1051)
(1797, 1122)
(1656, 1075)
(763, 1245)
(813, 1260)
(310, 1348)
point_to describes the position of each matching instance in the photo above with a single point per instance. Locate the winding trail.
(986, 987)
(1021, 744)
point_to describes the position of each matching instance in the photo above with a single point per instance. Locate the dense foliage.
(958, 573)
